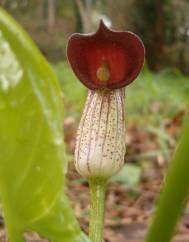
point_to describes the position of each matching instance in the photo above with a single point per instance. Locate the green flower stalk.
(105, 61)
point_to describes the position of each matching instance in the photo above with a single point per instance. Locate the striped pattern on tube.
(100, 144)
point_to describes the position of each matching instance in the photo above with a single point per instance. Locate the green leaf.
(174, 195)
(129, 176)
(32, 163)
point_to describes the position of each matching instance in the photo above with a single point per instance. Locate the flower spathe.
(105, 62)
(100, 146)
(106, 59)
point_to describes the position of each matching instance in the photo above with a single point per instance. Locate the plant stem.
(175, 193)
(97, 199)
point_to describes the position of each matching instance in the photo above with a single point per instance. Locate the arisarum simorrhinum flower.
(105, 62)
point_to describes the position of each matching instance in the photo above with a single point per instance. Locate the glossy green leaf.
(32, 163)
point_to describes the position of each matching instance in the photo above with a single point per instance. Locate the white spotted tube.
(100, 144)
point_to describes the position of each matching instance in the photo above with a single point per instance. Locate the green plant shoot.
(175, 193)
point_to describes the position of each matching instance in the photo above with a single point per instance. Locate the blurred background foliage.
(162, 25)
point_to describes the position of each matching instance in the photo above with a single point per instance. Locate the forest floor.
(129, 209)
